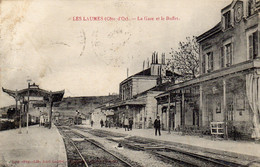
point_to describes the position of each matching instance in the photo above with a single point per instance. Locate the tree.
(186, 59)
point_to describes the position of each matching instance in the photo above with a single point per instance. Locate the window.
(123, 93)
(203, 65)
(227, 19)
(207, 62)
(228, 54)
(253, 45)
(210, 61)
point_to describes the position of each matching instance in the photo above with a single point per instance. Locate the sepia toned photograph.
(118, 83)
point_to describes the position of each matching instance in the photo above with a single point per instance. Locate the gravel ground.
(139, 157)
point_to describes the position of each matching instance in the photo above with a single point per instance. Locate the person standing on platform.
(130, 124)
(106, 123)
(157, 126)
(92, 122)
(101, 123)
(109, 123)
(126, 124)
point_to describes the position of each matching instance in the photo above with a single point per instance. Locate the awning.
(36, 92)
(131, 102)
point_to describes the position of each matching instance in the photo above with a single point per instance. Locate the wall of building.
(237, 36)
(237, 107)
(142, 84)
(188, 114)
(151, 107)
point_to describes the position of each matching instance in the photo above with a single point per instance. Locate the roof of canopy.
(36, 92)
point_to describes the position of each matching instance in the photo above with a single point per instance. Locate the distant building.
(97, 115)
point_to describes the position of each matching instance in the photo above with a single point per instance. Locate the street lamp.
(27, 114)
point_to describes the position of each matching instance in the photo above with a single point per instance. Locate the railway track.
(82, 151)
(181, 156)
(169, 154)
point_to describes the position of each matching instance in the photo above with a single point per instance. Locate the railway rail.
(170, 154)
(87, 152)
(188, 157)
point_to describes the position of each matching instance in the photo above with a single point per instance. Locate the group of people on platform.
(128, 124)
(107, 123)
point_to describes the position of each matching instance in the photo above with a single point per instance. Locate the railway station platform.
(249, 148)
(40, 147)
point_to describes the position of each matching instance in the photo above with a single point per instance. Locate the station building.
(136, 94)
(227, 90)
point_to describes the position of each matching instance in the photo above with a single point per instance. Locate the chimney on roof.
(143, 66)
(159, 79)
(156, 58)
(163, 58)
(153, 58)
(155, 70)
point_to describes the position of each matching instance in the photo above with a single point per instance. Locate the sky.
(42, 40)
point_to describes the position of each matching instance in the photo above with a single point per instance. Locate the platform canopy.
(35, 93)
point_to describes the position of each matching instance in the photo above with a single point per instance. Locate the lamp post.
(50, 112)
(17, 98)
(20, 115)
(27, 114)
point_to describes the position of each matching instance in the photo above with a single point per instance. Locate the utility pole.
(20, 120)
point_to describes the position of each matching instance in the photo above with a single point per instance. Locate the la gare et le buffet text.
(122, 18)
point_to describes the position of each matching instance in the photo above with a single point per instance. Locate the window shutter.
(203, 64)
(247, 8)
(250, 47)
(223, 22)
(222, 62)
(255, 43)
(244, 10)
(208, 62)
(227, 56)
(212, 61)
(252, 7)
(232, 17)
(231, 54)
